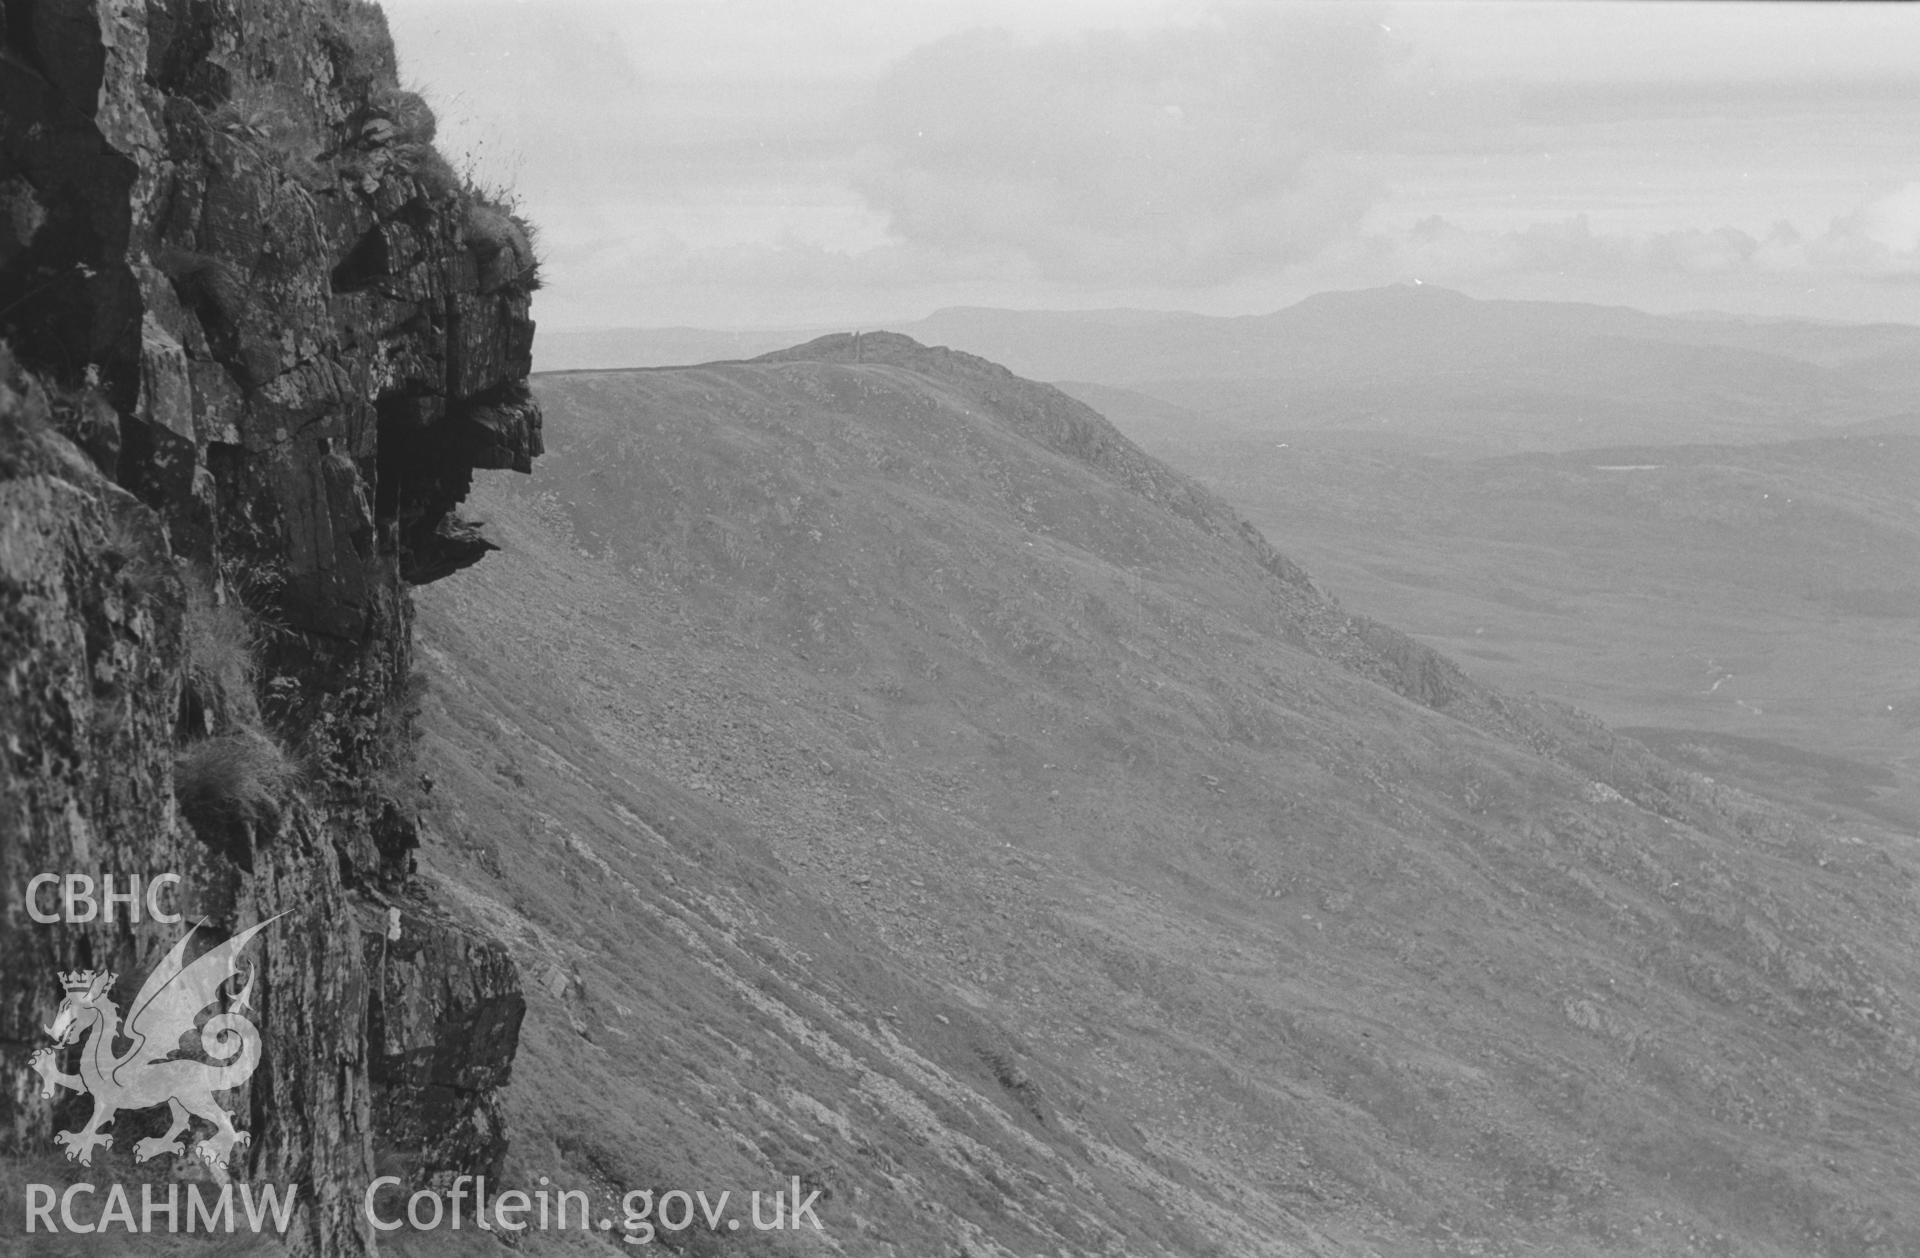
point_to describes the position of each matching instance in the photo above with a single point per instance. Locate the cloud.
(790, 263)
(691, 160)
(1185, 155)
(1878, 241)
(769, 283)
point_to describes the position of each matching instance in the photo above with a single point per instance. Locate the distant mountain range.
(1418, 363)
(893, 779)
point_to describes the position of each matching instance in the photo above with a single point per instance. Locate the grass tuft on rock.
(502, 244)
(221, 670)
(237, 777)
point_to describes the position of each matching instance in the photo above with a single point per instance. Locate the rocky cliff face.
(262, 335)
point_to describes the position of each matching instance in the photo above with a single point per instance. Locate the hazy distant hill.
(895, 779)
(1415, 363)
(1427, 363)
(599, 349)
(1767, 594)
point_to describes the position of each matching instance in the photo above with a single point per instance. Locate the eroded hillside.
(892, 779)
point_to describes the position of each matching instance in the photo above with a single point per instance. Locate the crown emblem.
(81, 980)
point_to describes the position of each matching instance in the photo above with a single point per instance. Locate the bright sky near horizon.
(784, 163)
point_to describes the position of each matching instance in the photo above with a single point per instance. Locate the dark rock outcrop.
(445, 1012)
(262, 335)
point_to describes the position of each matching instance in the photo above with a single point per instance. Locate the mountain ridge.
(1427, 364)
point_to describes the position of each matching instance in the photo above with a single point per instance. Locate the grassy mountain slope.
(892, 778)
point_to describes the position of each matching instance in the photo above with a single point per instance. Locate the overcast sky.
(775, 163)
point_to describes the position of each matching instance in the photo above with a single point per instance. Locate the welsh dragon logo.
(151, 1072)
